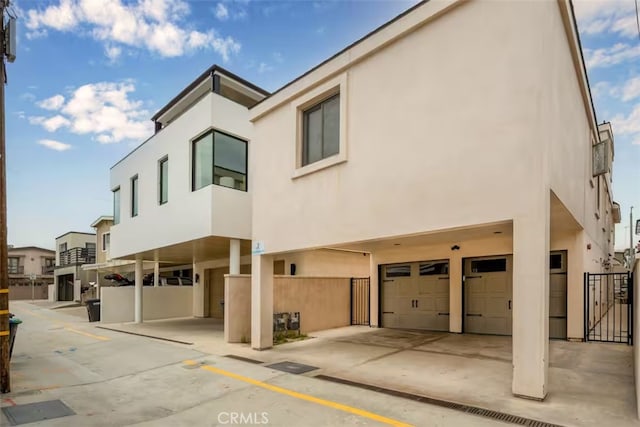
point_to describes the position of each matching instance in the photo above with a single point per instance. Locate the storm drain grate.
(34, 412)
(292, 367)
(487, 413)
(243, 359)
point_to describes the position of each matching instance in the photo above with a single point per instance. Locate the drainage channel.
(474, 410)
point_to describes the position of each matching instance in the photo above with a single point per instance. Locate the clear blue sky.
(90, 74)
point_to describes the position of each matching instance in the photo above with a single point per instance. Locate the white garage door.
(416, 295)
(488, 295)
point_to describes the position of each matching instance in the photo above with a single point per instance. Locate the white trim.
(335, 86)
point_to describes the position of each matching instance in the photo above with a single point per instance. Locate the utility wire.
(637, 19)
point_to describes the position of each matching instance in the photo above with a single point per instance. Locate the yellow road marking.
(4, 312)
(302, 396)
(97, 337)
(4, 333)
(4, 291)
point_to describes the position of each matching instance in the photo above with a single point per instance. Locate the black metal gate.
(360, 301)
(608, 299)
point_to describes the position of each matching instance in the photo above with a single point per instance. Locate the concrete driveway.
(590, 384)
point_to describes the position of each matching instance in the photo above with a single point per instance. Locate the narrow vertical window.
(321, 131)
(116, 206)
(134, 196)
(106, 240)
(163, 196)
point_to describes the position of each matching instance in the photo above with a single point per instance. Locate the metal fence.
(360, 309)
(608, 307)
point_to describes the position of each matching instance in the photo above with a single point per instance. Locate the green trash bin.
(13, 330)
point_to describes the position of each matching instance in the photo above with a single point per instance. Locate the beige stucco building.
(457, 165)
(30, 272)
(73, 249)
(459, 156)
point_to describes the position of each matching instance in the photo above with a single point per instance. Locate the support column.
(374, 292)
(531, 299)
(575, 288)
(261, 302)
(234, 256)
(138, 291)
(455, 292)
(156, 274)
(97, 283)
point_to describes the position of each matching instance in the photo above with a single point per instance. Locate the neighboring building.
(73, 249)
(464, 160)
(30, 272)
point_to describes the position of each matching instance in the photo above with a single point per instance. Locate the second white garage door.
(488, 295)
(416, 295)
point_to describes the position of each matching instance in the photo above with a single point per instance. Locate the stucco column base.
(234, 256)
(200, 292)
(261, 302)
(531, 300)
(455, 292)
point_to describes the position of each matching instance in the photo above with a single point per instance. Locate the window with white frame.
(321, 130)
(134, 196)
(106, 241)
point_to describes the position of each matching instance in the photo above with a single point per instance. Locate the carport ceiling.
(208, 248)
(451, 236)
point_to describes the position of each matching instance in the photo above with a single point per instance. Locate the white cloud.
(54, 145)
(606, 16)
(264, 68)
(628, 125)
(631, 89)
(53, 103)
(221, 12)
(159, 26)
(112, 52)
(28, 96)
(610, 56)
(103, 110)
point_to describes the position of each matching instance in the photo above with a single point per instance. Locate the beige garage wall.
(323, 303)
(636, 330)
(165, 302)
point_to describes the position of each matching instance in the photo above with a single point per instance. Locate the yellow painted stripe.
(4, 333)
(87, 334)
(302, 396)
(4, 291)
(4, 312)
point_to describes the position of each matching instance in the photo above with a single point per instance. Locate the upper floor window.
(116, 206)
(62, 247)
(14, 265)
(321, 130)
(106, 241)
(134, 196)
(219, 159)
(163, 181)
(50, 262)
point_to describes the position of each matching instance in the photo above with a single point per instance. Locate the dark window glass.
(164, 181)
(321, 131)
(555, 261)
(434, 268)
(134, 196)
(172, 281)
(116, 206)
(398, 270)
(489, 265)
(220, 159)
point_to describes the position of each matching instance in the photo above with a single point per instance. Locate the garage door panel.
(497, 283)
(497, 306)
(418, 293)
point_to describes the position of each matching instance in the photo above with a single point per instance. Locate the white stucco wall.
(165, 302)
(425, 148)
(211, 210)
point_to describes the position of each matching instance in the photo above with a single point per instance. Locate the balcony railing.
(77, 256)
(48, 269)
(16, 269)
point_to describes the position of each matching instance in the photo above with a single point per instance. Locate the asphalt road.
(113, 379)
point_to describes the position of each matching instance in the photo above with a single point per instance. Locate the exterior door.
(558, 295)
(416, 296)
(488, 295)
(215, 279)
